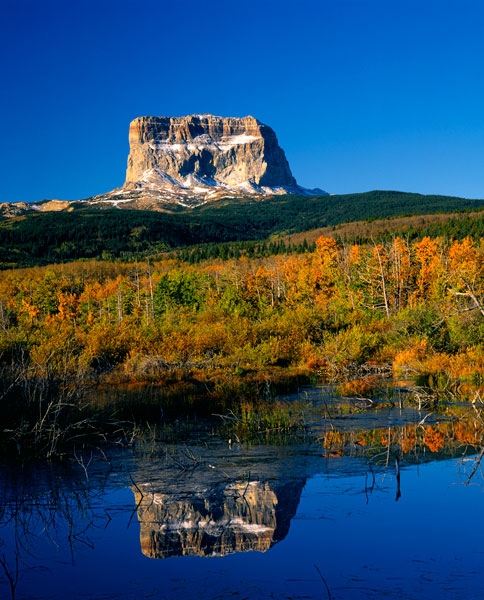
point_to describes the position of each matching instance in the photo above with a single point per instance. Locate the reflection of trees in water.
(460, 433)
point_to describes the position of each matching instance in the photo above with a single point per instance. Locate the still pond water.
(364, 501)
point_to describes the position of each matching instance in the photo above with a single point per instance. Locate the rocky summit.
(183, 162)
(206, 149)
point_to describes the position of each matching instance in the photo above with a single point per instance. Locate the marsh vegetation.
(221, 335)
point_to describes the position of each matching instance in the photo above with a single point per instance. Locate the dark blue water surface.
(209, 520)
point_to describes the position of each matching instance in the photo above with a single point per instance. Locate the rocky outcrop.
(187, 161)
(16, 209)
(213, 149)
(237, 517)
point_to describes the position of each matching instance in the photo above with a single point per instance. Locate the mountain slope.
(86, 233)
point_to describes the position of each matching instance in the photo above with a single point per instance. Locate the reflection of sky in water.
(426, 545)
(430, 541)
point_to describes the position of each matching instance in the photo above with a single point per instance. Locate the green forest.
(222, 229)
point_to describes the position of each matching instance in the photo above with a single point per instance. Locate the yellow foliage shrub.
(410, 359)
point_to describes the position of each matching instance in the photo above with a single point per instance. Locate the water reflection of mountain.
(238, 499)
(236, 517)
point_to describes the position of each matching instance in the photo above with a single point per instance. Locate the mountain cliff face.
(188, 161)
(216, 150)
(237, 517)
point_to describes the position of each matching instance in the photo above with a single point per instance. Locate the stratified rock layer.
(238, 517)
(217, 150)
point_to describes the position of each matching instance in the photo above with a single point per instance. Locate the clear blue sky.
(363, 94)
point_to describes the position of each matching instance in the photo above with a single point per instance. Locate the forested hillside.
(61, 236)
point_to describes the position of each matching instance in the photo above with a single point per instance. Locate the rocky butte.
(239, 516)
(237, 153)
(182, 162)
(195, 159)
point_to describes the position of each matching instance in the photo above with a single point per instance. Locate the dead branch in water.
(12, 576)
(476, 465)
(330, 597)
